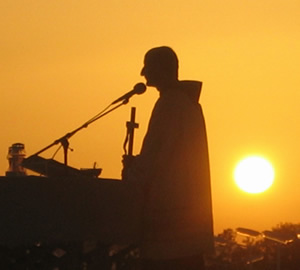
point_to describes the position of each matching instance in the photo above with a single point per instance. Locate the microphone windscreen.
(140, 88)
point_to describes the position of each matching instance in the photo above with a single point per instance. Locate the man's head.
(160, 67)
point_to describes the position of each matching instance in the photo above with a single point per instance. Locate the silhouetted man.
(173, 169)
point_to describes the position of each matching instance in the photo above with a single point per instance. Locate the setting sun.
(254, 174)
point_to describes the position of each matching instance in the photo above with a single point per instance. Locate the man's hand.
(127, 163)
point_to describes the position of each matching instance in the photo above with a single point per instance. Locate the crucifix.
(131, 125)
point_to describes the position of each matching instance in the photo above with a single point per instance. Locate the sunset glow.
(254, 174)
(64, 61)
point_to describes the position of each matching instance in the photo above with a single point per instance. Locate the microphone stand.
(64, 139)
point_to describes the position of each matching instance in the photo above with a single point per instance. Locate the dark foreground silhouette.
(173, 170)
(161, 211)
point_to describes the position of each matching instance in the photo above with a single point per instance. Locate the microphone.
(139, 88)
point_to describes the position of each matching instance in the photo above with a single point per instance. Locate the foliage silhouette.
(261, 253)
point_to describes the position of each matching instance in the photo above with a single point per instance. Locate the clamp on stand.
(65, 144)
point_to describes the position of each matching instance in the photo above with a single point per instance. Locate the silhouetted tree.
(280, 249)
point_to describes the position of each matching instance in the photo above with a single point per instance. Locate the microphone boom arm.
(64, 139)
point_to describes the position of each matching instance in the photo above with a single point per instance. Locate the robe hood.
(192, 89)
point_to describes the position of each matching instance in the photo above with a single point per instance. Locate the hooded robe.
(173, 170)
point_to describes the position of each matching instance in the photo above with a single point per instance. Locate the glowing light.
(254, 174)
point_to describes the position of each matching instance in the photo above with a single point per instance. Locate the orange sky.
(64, 61)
